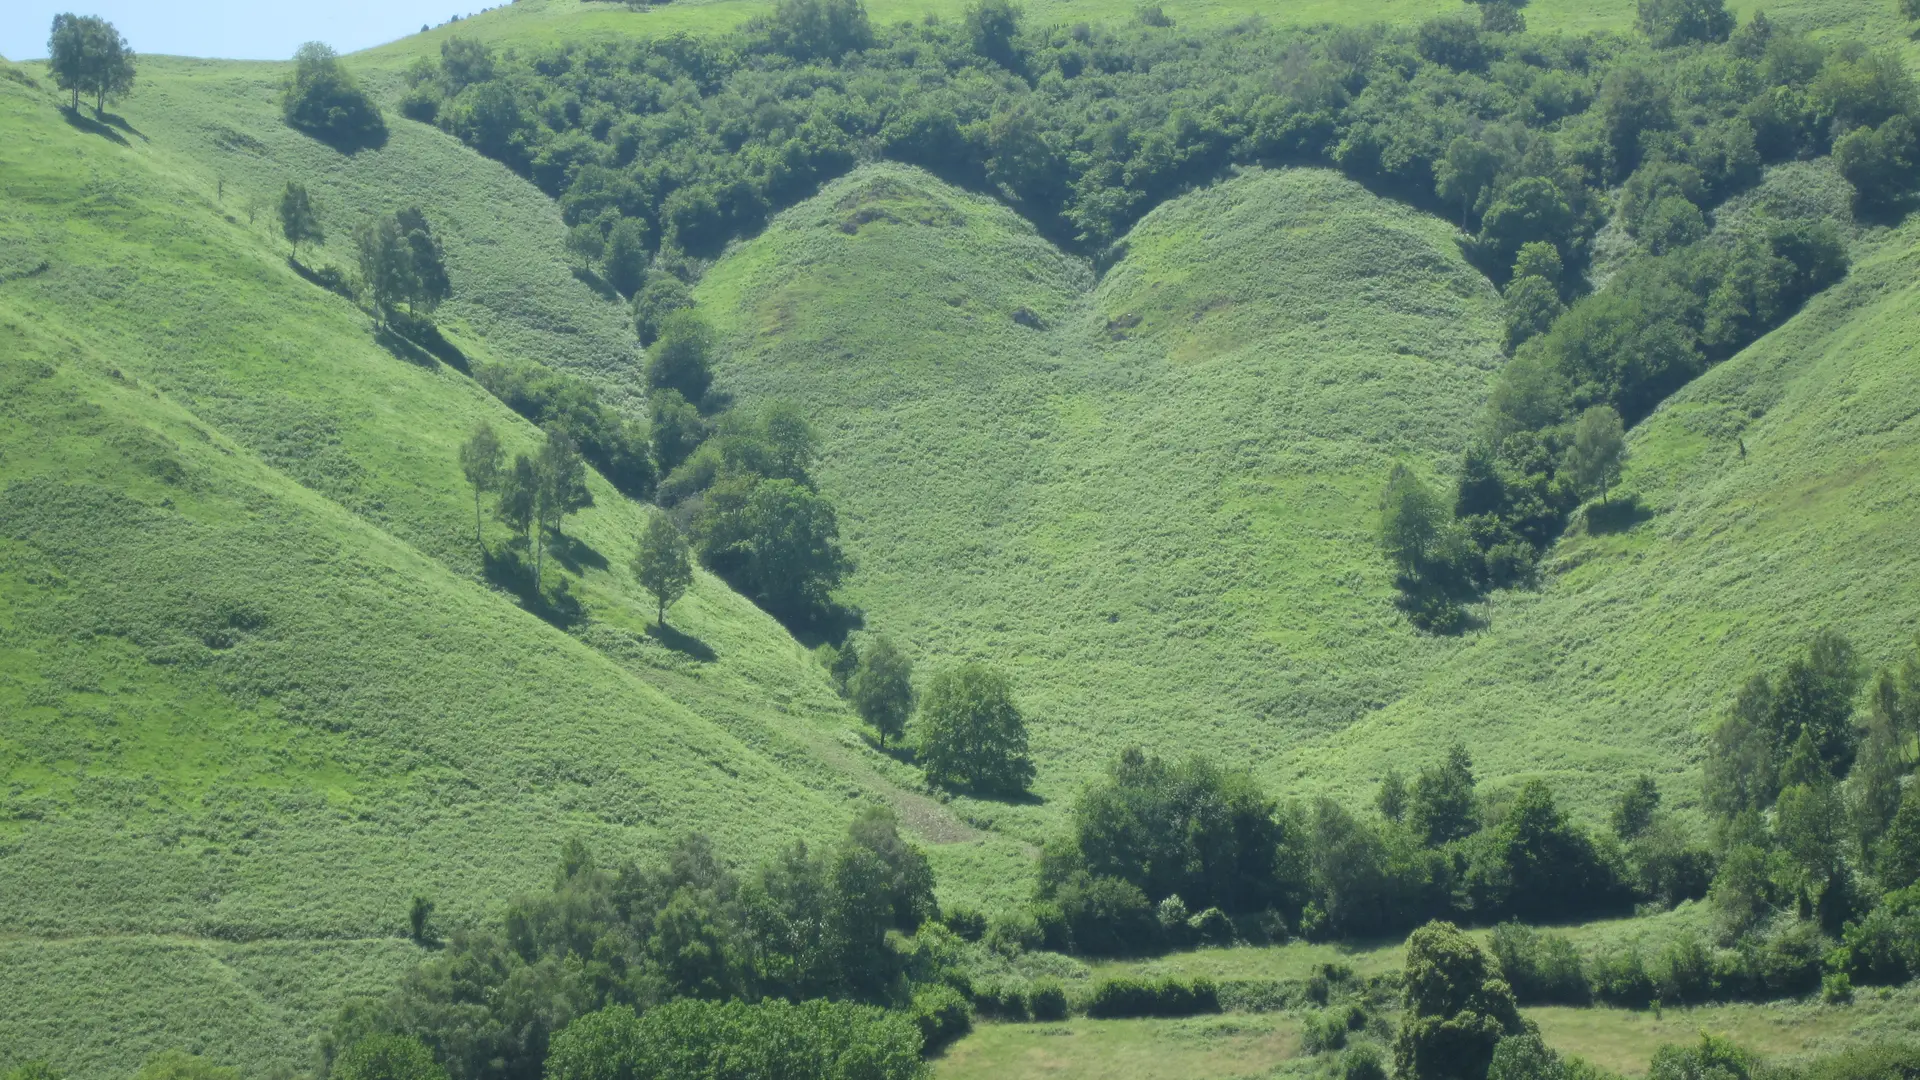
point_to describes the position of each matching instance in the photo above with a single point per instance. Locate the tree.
(682, 356)
(819, 29)
(86, 54)
(663, 565)
(625, 255)
(1411, 517)
(387, 1057)
(1532, 305)
(560, 488)
(675, 428)
(882, 687)
(1713, 1057)
(1599, 447)
(1668, 23)
(1900, 847)
(1458, 1009)
(1879, 162)
(1443, 807)
(480, 458)
(972, 734)
(776, 540)
(992, 26)
(519, 486)
(1536, 864)
(1392, 799)
(426, 280)
(322, 99)
(1633, 811)
(386, 265)
(1525, 1057)
(299, 222)
(1468, 169)
(420, 919)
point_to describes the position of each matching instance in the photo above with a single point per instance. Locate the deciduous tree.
(881, 688)
(480, 458)
(972, 734)
(299, 222)
(663, 565)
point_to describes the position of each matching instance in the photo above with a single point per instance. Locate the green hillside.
(1775, 497)
(256, 689)
(1155, 507)
(259, 690)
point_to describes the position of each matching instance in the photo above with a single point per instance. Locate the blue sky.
(257, 30)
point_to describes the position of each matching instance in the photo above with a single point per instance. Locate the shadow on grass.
(899, 752)
(575, 554)
(330, 278)
(421, 332)
(595, 282)
(1617, 516)
(510, 569)
(91, 126)
(685, 644)
(121, 123)
(402, 348)
(823, 626)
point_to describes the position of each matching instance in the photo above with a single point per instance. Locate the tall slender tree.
(560, 488)
(299, 222)
(882, 687)
(480, 460)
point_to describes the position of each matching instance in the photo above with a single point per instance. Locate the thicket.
(1155, 841)
(739, 1041)
(673, 940)
(323, 100)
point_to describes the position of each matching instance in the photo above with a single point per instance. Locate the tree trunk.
(662, 617)
(76, 99)
(539, 552)
(477, 538)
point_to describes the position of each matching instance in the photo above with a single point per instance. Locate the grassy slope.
(1162, 531)
(1637, 639)
(253, 687)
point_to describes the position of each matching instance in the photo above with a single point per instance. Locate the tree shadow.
(329, 278)
(575, 554)
(1616, 516)
(421, 332)
(400, 347)
(685, 644)
(827, 625)
(594, 281)
(91, 126)
(508, 569)
(899, 751)
(121, 123)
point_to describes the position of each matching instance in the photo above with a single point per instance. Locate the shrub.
(966, 923)
(387, 1057)
(1015, 932)
(1001, 1000)
(1620, 978)
(1836, 989)
(323, 100)
(1212, 927)
(1542, 968)
(942, 1016)
(1106, 916)
(1130, 997)
(1048, 1001)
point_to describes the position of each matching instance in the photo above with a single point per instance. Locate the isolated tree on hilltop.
(663, 565)
(881, 687)
(85, 53)
(480, 461)
(299, 223)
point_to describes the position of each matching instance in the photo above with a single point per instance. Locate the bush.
(1212, 927)
(966, 923)
(830, 1040)
(1542, 968)
(1001, 1000)
(1014, 932)
(1620, 978)
(942, 1016)
(1048, 1001)
(1836, 989)
(1328, 1029)
(1131, 997)
(387, 1057)
(323, 100)
(1106, 916)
